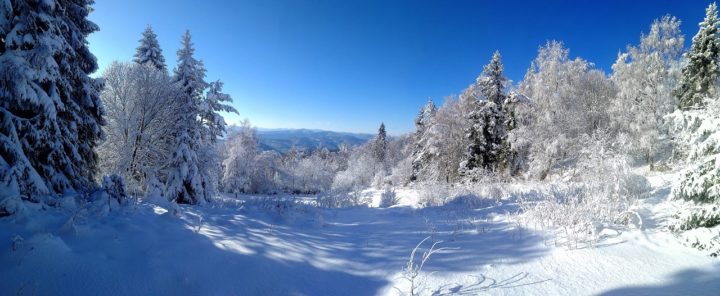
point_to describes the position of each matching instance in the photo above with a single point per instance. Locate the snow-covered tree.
(186, 168)
(492, 82)
(569, 99)
(486, 133)
(141, 115)
(422, 152)
(697, 133)
(215, 101)
(149, 51)
(700, 75)
(186, 184)
(447, 137)
(518, 112)
(486, 136)
(380, 144)
(50, 109)
(241, 148)
(645, 77)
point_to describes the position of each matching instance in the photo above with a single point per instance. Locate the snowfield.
(262, 246)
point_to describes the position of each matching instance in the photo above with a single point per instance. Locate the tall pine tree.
(187, 182)
(50, 110)
(213, 102)
(492, 82)
(421, 154)
(486, 133)
(149, 52)
(700, 75)
(380, 145)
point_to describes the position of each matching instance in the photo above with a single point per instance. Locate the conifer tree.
(492, 82)
(50, 109)
(149, 52)
(421, 155)
(380, 144)
(486, 131)
(700, 75)
(212, 103)
(188, 183)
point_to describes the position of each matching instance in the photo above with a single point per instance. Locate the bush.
(114, 186)
(280, 206)
(470, 201)
(342, 199)
(434, 194)
(388, 197)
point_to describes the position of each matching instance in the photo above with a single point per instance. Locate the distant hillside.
(282, 140)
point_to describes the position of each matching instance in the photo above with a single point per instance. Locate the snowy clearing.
(301, 250)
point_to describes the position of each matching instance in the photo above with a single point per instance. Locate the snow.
(259, 245)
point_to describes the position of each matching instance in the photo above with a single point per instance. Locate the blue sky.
(348, 65)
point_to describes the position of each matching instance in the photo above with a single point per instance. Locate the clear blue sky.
(347, 65)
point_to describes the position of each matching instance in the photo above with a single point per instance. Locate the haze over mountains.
(282, 140)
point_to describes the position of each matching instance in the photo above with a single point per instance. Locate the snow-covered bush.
(342, 199)
(388, 197)
(599, 195)
(114, 187)
(470, 201)
(434, 193)
(280, 206)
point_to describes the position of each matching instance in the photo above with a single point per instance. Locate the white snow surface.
(249, 248)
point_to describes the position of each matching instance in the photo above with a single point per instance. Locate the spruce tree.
(185, 182)
(188, 183)
(149, 52)
(214, 101)
(492, 82)
(421, 156)
(486, 131)
(50, 109)
(380, 144)
(475, 133)
(700, 75)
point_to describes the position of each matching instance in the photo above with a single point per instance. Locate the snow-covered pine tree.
(697, 132)
(476, 149)
(190, 74)
(149, 51)
(700, 74)
(380, 144)
(486, 132)
(50, 110)
(492, 87)
(187, 182)
(422, 152)
(213, 102)
(492, 82)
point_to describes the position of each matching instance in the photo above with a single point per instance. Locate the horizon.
(347, 67)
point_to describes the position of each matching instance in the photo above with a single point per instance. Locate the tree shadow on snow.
(690, 281)
(483, 283)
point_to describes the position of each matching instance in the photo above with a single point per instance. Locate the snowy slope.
(296, 249)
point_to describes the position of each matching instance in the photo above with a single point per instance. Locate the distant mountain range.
(282, 140)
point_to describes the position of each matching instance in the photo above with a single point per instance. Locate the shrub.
(388, 197)
(114, 186)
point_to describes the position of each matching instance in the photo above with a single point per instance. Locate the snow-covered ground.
(256, 248)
